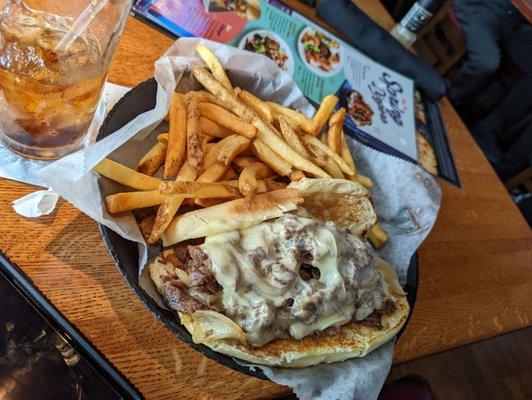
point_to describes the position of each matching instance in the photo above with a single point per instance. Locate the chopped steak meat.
(199, 270)
(177, 298)
(202, 282)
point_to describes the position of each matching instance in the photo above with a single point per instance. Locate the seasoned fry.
(271, 158)
(292, 138)
(211, 128)
(305, 123)
(213, 173)
(215, 66)
(346, 153)
(332, 169)
(195, 150)
(228, 175)
(364, 181)
(296, 175)
(273, 185)
(152, 160)
(216, 88)
(377, 236)
(226, 150)
(335, 130)
(207, 97)
(192, 188)
(226, 119)
(337, 117)
(232, 146)
(177, 136)
(257, 105)
(248, 181)
(285, 151)
(126, 176)
(167, 210)
(243, 161)
(324, 112)
(162, 138)
(310, 140)
(209, 202)
(146, 225)
(128, 201)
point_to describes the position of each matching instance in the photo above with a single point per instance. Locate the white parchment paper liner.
(407, 198)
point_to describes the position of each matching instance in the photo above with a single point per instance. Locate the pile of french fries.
(225, 143)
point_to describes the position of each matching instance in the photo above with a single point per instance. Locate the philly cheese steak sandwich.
(284, 279)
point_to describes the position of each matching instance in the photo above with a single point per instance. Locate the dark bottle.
(418, 15)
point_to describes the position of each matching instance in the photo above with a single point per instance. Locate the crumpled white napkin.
(17, 168)
(36, 204)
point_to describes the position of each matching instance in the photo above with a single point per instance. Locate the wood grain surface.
(475, 268)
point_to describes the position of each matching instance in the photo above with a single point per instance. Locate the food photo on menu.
(253, 220)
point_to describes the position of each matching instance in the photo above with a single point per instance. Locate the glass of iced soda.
(54, 59)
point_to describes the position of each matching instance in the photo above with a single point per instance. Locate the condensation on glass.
(47, 96)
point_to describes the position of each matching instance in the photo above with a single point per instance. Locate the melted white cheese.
(263, 292)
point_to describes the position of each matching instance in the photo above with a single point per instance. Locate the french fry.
(324, 112)
(273, 185)
(260, 107)
(271, 158)
(324, 161)
(207, 97)
(146, 225)
(211, 128)
(243, 161)
(228, 175)
(226, 150)
(334, 134)
(209, 202)
(195, 150)
(152, 160)
(332, 169)
(126, 176)
(177, 136)
(346, 153)
(293, 124)
(234, 182)
(226, 119)
(128, 201)
(364, 181)
(310, 140)
(167, 210)
(162, 138)
(296, 175)
(215, 66)
(216, 88)
(213, 173)
(305, 123)
(198, 189)
(377, 236)
(292, 138)
(248, 181)
(233, 146)
(285, 151)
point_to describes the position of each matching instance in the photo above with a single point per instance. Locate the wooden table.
(475, 268)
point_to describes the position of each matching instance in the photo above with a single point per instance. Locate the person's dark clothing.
(514, 109)
(489, 26)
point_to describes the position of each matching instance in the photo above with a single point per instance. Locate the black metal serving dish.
(125, 253)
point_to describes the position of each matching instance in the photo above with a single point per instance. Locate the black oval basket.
(125, 253)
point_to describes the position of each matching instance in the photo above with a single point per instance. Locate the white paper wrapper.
(407, 198)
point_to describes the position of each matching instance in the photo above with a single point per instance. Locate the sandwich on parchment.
(277, 284)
